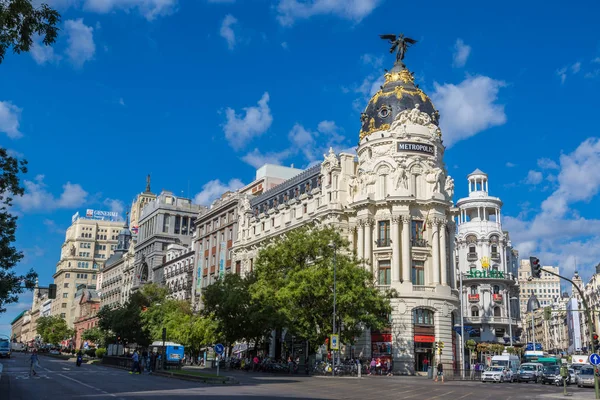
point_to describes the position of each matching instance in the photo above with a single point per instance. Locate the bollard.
(359, 370)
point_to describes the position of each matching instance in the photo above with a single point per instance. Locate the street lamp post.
(532, 305)
(510, 331)
(332, 245)
(462, 326)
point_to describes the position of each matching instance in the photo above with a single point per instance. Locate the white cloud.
(150, 9)
(240, 129)
(563, 72)
(575, 68)
(546, 163)
(15, 153)
(596, 60)
(121, 101)
(313, 144)
(115, 205)
(372, 60)
(510, 165)
(290, 11)
(468, 108)
(558, 232)
(534, 177)
(80, 38)
(10, 116)
(43, 54)
(52, 227)
(38, 198)
(227, 32)
(214, 189)
(284, 45)
(256, 159)
(461, 53)
(221, 1)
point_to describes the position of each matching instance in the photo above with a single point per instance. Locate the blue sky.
(199, 93)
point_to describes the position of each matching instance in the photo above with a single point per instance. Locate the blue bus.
(4, 348)
(174, 351)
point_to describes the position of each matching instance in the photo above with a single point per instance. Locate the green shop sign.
(486, 274)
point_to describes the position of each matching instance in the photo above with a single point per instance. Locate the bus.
(549, 361)
(174, 351)
(4, 348)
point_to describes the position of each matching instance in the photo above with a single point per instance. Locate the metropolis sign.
(416, 147)
(486, 274)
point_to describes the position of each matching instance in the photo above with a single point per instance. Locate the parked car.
(529, 372)
(572, 376)
(550, 373)
(585, 377)
(497, 374)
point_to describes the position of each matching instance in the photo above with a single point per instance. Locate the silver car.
(585, 377)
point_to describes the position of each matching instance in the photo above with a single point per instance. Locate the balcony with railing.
(495, 256)
(490, 320)
(384, 242)
(416, 242)
(473, 298)
(497, 298)
(471, 256)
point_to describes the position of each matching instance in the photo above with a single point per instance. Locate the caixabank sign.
(486, 273)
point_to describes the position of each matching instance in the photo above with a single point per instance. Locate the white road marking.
(87, 386)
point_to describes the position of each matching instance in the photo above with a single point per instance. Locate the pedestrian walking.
(440, 372)
(34, 362)
(135, 367)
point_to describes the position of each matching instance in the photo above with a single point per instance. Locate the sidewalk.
(571, 395)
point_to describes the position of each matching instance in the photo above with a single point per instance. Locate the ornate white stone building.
(393, 202)
(487, 260)
(178, 271)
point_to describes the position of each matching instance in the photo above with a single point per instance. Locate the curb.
(226, 380)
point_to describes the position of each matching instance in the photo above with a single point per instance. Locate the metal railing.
(419, 242)
(421, 288)
(385, 242)
(471, 256)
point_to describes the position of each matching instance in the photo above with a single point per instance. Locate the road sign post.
(594, 359)
(219, 349)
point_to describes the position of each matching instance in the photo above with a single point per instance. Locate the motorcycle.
(79, 360)
(558, 380)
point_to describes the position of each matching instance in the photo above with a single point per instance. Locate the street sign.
(219, 348)
(335, 342)
(594, 359)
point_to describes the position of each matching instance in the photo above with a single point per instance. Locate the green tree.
(95, 335)
(53, 329)
(11, 284)
(20, 20)
(471, 345)
(294, 279)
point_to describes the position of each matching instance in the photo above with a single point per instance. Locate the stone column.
(369, 240)
(395, 248)
(452, 252)
(360, 241)
(406, 248)
(443, 253)
(435, 249)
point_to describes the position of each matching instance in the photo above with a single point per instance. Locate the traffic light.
(536, 268)
(596, 343)
(440, 347)
(435, 347)
(52, 291)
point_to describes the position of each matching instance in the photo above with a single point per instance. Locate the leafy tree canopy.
(294, 275)
(53, 329)
(20, 21)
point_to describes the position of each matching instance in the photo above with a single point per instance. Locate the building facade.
(88, 244)
(179, 271)
(166, 220)
(487, 260)
(86, 310)
(546, 288)
(112, 291)
(393, 202)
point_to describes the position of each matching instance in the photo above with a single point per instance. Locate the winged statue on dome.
(399, 44)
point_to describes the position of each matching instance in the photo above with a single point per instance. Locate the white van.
(509, 361)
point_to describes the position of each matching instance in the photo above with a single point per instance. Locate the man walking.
(34, 362)
(440, 372)
(136, 363)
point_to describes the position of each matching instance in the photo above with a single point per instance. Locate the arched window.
(474, 311)
(497, 312)
(473, 289)
(423, 316)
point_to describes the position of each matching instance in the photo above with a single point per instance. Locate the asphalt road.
(59, 379)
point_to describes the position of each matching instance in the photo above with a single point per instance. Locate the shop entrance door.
(423, 361)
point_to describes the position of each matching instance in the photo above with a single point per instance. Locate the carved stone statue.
(433, 177)
(449, 186)
(402, 180)
(332, 159)
(246, 204)
(73, 250)
(352, 186)
(399, 43)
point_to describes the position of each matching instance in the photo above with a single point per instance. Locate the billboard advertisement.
(573, 325)
(199, 275)
(100, 214)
